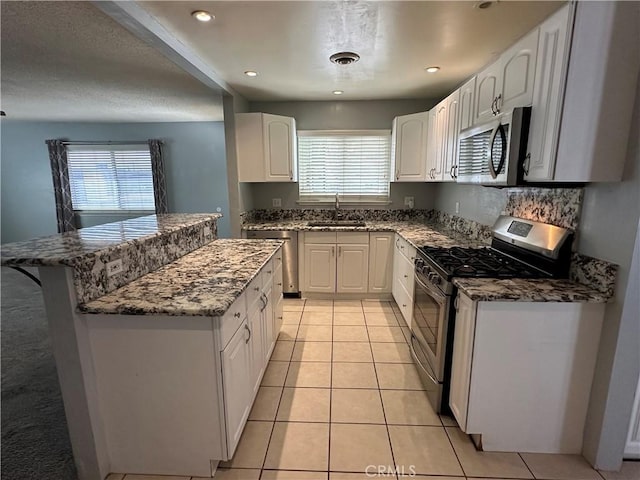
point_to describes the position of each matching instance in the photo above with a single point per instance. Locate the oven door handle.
(413, 350)
(439, 296)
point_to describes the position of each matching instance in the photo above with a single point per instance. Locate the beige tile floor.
(341, 394)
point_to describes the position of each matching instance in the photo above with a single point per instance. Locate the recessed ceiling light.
(338, 92)
(251, 73)
(202, 16)
(432, 69)
(344, 58)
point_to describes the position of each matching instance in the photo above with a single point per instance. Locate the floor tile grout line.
(455, 452)
(330, 394)
(384, 414)
(533, 475)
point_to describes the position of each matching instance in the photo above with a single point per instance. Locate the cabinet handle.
(455, 171)
(249, 338)
(290, 174)
(493, 110)
(333, 251)
(236, 315)
(525, 164)
(406, 276)
(339, 251)
(498, 98)
(455, 303)
(269, 272)
(404, 306)
(451, 172)
(279, 284)
(398, 175)
(257, 289)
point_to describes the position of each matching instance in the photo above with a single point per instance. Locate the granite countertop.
(418, 234)
(528, 290)
(204, 282)
(71, 247)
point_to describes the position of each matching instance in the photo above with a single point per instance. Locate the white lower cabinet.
(537, 401)
(237, 383)
(352, 273)
(320, 268)
(380, 262)
(335, 262)
(404, 255)
(176, 392)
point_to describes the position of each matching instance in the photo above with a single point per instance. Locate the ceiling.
(289, 44)
(68, 61)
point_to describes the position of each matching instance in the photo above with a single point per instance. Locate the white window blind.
(110, 177)
(353, 164)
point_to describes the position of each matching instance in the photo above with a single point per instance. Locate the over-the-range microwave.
(492, 153)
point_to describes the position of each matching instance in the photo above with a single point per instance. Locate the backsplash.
(310, 214)
(464, 226)
(557, 206)
(597, 274)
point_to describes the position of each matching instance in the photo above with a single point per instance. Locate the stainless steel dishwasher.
(289, 255)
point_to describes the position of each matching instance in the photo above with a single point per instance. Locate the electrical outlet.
(207, 231)
(408, 202)
(457, 207)
(114, 267)
(276, 202)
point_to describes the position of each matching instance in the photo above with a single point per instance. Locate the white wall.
(608, 230)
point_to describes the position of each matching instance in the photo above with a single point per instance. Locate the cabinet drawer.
(353, 237)
(232, 319)
(405, 272)
(405, 304)
(320, 237)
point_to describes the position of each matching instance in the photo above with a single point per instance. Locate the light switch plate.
(277, 202)
(114, 267)
(457, 207)
(408, 202)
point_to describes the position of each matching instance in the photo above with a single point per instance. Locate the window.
(110, 177)
(353, 164)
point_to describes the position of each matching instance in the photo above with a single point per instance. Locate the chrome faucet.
(336, 213)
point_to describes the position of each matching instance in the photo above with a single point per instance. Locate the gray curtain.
(159, 181)
(61, 186)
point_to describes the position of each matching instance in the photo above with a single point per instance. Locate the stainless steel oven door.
(429, 326)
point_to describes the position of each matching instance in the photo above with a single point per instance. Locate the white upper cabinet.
(453, 128)
(518, 73)
(409, 147)
(467, 92)
(508, 82)
(488, 87)
(266, 148)
(548, 91)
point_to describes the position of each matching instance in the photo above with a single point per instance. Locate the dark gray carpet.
(35, 441)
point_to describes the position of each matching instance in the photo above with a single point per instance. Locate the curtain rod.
(109, 142)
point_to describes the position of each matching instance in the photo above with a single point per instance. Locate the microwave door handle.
(503, 153)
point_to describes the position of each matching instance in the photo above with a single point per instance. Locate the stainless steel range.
(519, 249)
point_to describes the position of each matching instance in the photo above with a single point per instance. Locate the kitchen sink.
(337, 223)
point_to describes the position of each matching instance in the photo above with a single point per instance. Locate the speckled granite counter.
(204, 282)
(143, 245)
(522, 290)
(418, 234)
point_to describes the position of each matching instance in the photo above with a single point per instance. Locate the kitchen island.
(134, 384)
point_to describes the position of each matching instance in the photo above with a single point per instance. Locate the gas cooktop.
(477, 262)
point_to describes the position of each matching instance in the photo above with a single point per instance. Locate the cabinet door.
(441, 141)
(410, 135)
(548, 92)
(461, 363)
(432, 146)
(467, 91)
(488, 87)
(255, 347)
(380, 262)
(236, 384)
(518, 73)
(452, 128)
(279, 147)
(395, 283)
(353, 268)
(319, 268)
